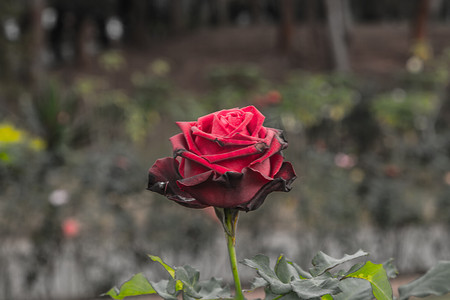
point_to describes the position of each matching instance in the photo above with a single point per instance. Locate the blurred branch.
(337, 28)
(286, 25)
(36, 42)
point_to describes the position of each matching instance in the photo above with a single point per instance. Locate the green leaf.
(166, 266)
(187, 274)
(173, 286)
(391, 270)
(169, 269)
(189, 277)
(162, 288)
(213, 289)
(288, 296)
(284, 271)
(302, 273)
(315, 287)
(353, 269)
(323, 262)
(435, 282)
(326, 297)
(258, 282)
(137, 285)
(354, 289)
(261, 264)
(376, 275)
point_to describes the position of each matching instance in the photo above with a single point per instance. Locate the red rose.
(226, 159)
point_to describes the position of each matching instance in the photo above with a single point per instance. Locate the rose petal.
(282, 183)
(205, 123)
(191, 168)
(187, 132)
(245, 191)
(242, 128)
(224, 190)
(270, 166)
(276, 161)
(162, 178)
(179, 142)
(263, 167)
(287, 173)
(237, 139)
(218, 127)
(193, 157)
(277, 143)
(257, 120)
(253, 149)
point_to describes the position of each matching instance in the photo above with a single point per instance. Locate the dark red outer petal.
(282, 183)
(179, 142)
(244, 191)
(162, 178)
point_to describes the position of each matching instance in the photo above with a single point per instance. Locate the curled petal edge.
(282, 183)
(165, 180)
(162, 178)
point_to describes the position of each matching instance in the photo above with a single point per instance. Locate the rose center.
(233, 119)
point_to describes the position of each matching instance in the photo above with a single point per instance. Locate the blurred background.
(90, 91)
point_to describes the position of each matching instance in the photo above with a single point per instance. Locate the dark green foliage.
(290, 281)
(435, 282)
(183, 280)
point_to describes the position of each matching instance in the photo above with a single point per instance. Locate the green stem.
(231, 217)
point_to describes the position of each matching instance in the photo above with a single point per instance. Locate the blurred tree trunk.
(82, 36)
(286, 26)
(348, 19)
(35, 43)
(339, 36)
(436, 7)
(420, 46)
(177, 21)
(205, 13)
(222, 12)
(256, 10)
(421, 20)
(134, 13)
(318, 47)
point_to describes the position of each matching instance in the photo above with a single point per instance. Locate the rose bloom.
(226, 159)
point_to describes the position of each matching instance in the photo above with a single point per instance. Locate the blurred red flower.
(70, 227)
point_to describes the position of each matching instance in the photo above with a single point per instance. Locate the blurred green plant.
(341, 183)
(404, 110)
(18, 147)
(311, 98)
(55, 112)
(241, 77)
(231, 86)
(112, 61)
